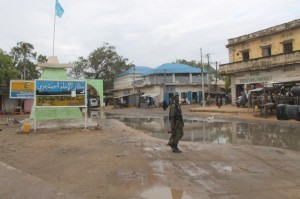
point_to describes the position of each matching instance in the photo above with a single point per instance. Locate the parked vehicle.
(94, 102)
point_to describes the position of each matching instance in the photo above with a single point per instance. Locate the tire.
(296, 91)
(281, 112)
(292, 111)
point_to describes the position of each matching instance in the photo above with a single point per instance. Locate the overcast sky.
(147, 32)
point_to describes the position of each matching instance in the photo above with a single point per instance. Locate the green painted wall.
(55, 113)
(98, 85)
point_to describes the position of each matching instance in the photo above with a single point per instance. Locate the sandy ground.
(117, 162)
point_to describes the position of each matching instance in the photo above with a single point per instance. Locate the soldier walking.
(176, 121)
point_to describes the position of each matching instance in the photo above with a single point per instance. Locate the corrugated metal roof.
(174, 68)
(163, 69)
(135, 70)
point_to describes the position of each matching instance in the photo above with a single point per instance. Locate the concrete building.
(161, 83)
(269, 56)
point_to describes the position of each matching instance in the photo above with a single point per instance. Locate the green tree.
(227, 81)
(78, 69)
(41, 59)
(25, 59)
(193, 63)
(103, 63)
(7, 69)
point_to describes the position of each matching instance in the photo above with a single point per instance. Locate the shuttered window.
(288, 48)
(266, 51)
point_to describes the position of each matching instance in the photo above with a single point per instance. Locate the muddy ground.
(117, 162)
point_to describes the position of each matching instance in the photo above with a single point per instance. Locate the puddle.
(166, 193)
(220, 131)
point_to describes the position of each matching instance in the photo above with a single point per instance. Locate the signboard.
(256, 79)
(60, 93)
(21, 89)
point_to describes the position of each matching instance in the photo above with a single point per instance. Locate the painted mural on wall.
(60, 93)
(21, 89)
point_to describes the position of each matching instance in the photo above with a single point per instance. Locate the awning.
(264, 89)
(150, 95)
(256, 90)
(120, 96)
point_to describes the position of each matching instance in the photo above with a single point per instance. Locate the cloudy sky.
(148, 33)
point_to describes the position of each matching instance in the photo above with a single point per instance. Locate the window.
(183, 95)
(287, 47)
(266, 51)
(245, 55)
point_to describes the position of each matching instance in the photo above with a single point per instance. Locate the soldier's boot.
(175, 149)
(170, 143)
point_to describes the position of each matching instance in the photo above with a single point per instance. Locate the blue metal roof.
(135, 70)
(162, 69)
(174, 68)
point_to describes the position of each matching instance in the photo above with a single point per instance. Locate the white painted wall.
(123, 82)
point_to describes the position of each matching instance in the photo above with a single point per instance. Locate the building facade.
(269, 56)
(161, 83)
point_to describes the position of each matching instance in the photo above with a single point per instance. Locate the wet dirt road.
(120, 162)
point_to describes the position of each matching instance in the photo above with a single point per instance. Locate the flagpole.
(54, 31)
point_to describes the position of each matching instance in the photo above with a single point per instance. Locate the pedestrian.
(177, 124)
(147, 103)
(244, 99)
(208, 100)
(219, 100)
(151, 102)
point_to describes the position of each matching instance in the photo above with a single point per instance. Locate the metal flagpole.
(54, 30)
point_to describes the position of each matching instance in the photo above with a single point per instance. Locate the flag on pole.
(58, 9)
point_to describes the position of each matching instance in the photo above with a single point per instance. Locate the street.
(117, 161)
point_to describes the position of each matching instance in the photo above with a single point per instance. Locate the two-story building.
(160, 83)
(267, 56)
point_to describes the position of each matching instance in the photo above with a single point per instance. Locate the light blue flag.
(58, 9)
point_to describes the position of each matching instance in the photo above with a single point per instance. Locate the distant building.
(161, 83)
(269, 56)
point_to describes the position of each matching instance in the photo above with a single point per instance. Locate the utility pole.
(24, 68)
(208, 74)
(133, 78)
(24, 73)
(135, 97)
(202, 70)
(216, 76)
(164, 91)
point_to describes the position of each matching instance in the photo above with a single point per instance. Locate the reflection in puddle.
(220, 131)
(166, 193)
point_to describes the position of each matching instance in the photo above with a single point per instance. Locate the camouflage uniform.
(177, 124)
